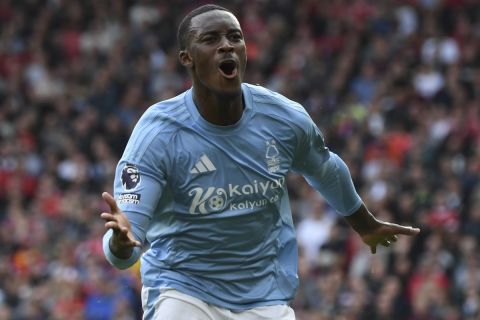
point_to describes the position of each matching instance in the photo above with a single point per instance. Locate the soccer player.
(201, 184)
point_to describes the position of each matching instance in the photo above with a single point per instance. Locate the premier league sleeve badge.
(130, 176)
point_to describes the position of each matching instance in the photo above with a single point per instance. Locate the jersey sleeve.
(140, 178)
(324, 170)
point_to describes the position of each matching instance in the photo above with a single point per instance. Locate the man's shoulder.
(167, 108)
(165, 114)
(271, 102)
(161, 120)
(259, 92)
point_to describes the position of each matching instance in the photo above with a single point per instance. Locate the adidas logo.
(203, 165)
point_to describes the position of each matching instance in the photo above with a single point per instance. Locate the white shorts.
(171, 304)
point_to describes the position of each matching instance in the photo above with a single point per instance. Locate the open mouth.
(228, 69)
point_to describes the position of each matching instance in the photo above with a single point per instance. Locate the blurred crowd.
(394, 85)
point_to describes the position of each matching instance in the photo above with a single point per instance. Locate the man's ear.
(185, 58)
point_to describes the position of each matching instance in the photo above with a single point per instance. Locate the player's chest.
(229, 173)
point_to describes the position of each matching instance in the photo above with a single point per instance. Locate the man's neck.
(218, 109)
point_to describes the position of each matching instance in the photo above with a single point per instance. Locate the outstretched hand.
(123, 240)
(385, 233)
(377, 232)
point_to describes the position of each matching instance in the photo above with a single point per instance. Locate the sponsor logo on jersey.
(272, 156)
(129, 198)
(203, 165)
(130, 176)
(213, 199)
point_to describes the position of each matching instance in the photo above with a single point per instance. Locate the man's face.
(216, 53)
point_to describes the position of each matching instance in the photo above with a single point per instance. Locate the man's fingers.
(409, 231)
(387, 235)
(133, 242)
(110, 201)
(394, 229)
(393, 238)
(107, 216)
(129, 238)
(123, 235)
(113, 225)
(122, 232)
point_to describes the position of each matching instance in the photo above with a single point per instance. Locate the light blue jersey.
(211, 201)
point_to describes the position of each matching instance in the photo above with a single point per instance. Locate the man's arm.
(332, 179)
(328, 174)
(138, 186)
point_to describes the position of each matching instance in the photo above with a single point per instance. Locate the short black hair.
(184, 27)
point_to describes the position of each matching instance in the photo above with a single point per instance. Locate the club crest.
(272, 156)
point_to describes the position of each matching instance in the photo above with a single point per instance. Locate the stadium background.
(394, 85)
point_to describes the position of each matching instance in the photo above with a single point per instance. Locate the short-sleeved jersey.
(211, 201)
